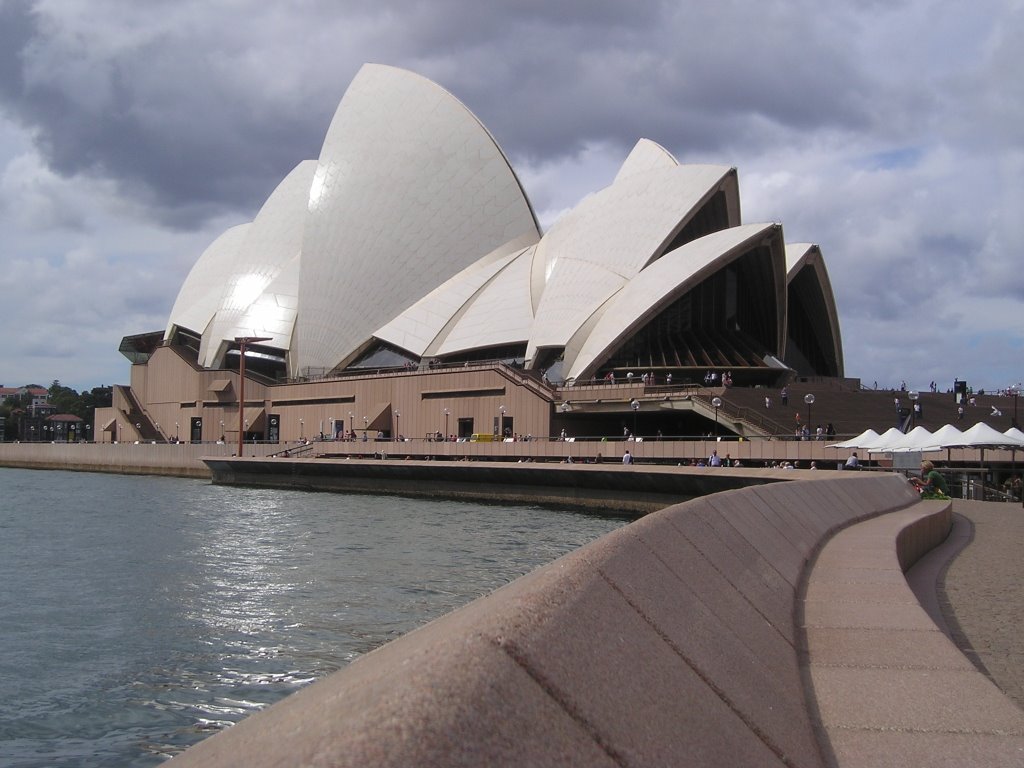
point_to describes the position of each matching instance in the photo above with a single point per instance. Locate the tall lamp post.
(398, 424)
(176, 432)
(302, 429)
(635, 405)
(243, 342)
(717, 403)
(913, 395)
(809, 399)
(446, 412)
(1015, 391)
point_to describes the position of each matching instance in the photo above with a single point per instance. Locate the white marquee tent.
(981, 435)
(864, 439)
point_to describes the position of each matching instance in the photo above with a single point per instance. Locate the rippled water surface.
(140, 614)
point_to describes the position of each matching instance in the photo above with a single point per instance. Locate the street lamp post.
(913, 395)
(635, 405)
(242, 342)
(398, 424)
(501, 421)
(302, 429)
(176, 431)
(717, 403)
(446, 412)
(1015, 391)
(352, 423)
(809, 399)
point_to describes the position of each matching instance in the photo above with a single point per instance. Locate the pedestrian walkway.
(889, 686)
(980, 593)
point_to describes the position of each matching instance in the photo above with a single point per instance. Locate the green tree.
(66, 400)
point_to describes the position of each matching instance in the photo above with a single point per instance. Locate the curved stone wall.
(672, 641)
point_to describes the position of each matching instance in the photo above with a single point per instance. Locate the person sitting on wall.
(853, 462)
(931, 484)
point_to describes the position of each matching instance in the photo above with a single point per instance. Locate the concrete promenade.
(889, 686)
(980, 592)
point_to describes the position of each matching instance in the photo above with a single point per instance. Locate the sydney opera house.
(400, 284)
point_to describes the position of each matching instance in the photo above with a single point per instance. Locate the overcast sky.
(891, 133)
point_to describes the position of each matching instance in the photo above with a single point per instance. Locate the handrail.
(742, 414)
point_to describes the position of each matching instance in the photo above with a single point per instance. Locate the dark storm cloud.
(181, 117)
(159, 117)
(691, 78)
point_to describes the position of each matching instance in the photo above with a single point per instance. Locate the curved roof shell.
(425, 326)
(594, 250)
(814, 339)
(259, 296)
(670, 277)
(646, 155)
(501, 314)
(410, 189)
(200, 294)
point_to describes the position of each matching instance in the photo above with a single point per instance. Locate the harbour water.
(140, 614)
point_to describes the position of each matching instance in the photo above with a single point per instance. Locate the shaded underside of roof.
(814, 345)
(731, 282)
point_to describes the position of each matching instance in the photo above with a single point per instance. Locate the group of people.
(647, 379)
(714, 460)
(711, 379)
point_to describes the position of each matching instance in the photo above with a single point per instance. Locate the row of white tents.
(919, 439)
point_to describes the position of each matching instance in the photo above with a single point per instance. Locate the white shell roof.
(382, 238)
(417, 329)
(663, 281)
(410, 189)
(259, 295)
(645, 156)
(603, 243)
(500, 314)
(199, 296)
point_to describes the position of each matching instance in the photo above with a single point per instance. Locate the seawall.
(174, 459)
(631, 489)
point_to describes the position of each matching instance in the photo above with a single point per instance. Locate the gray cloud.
(887, 132)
